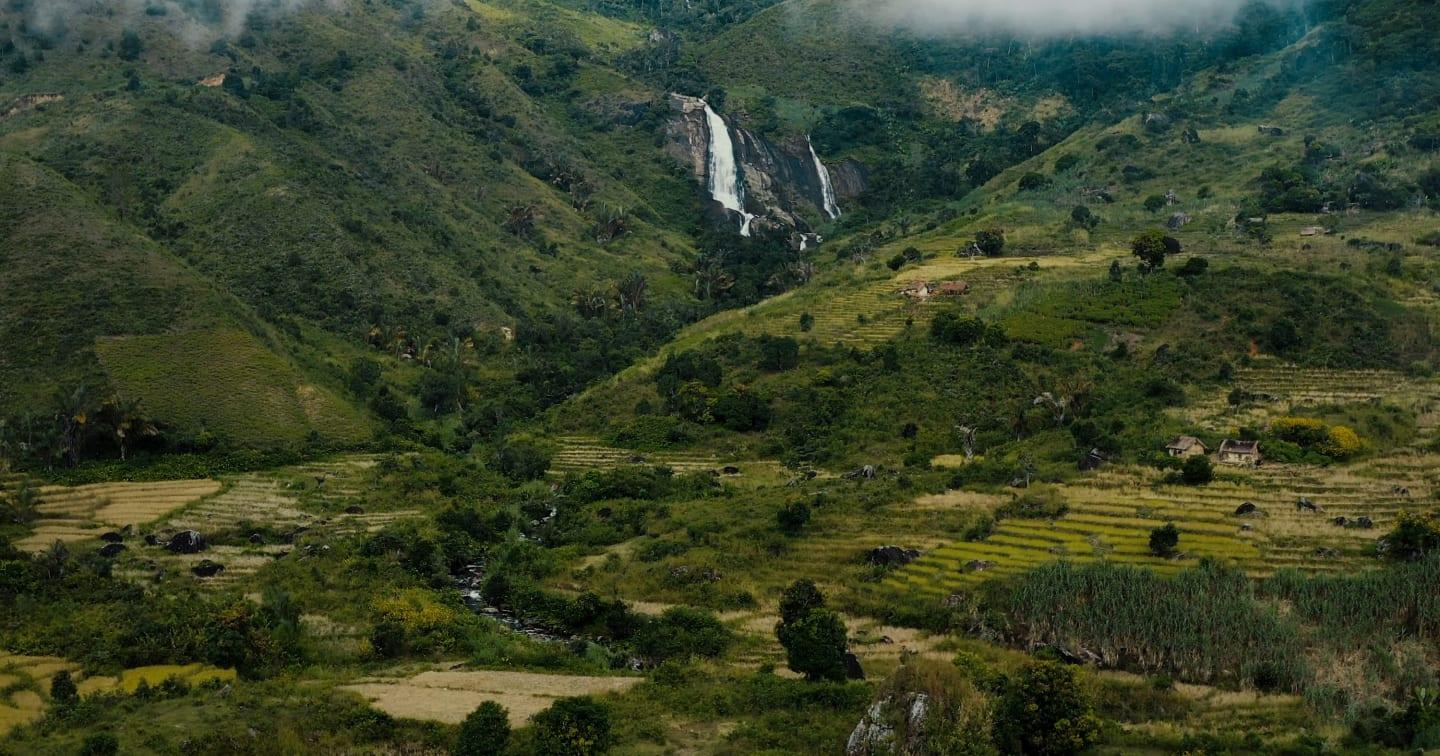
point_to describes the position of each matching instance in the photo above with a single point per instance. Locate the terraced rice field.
(1290, 387)
(80, 512)
(449, 696)
(1113, 511)
(25, 683)
(579, 454)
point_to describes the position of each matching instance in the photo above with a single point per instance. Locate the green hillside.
(375, 377)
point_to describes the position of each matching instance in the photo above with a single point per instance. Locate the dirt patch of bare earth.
(448, 696)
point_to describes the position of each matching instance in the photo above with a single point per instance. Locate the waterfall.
(827, 189)
(724, 170)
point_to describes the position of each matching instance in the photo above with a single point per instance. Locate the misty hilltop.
(754, 376)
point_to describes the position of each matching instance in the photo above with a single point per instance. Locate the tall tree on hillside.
(631, 293)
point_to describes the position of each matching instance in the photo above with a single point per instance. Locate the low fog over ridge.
(192, 19)
(1051, 18)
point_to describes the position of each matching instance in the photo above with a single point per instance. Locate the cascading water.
(827, 189)
(724, 171)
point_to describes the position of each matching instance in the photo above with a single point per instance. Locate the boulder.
(1177, 221)
(1190, 135)
(978, 565)
(1246, 509)
(111, 537)
(112, 549)
(354, 510)
(730, 470)
(257, 539)
(875, 734)
(1364, 522)
(151, 540)
(1342, 521)
(891, 556)
(206, 568)
(186, 542)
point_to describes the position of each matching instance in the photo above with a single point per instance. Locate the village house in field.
(1233, 452)
(1186, 446)
(920, 290)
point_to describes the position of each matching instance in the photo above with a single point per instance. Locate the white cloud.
(1050, 18)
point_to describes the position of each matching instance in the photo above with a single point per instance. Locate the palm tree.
(126, 423)
(712, 280)
(631, 291)
(72, 419)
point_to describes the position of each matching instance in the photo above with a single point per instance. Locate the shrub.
(522, 460)
(1033, 181)
(1193, 266)
(1197, 471)
(1066, 162)
(1342, 442)
(1165, 539)
(807, 322)
(1155, 203)
(1038, 502)
(100, 744)
(62, 689)
(1046, 712)
(1081, 216)
(682, 632)
(1414, 536)
(778, 353)
(485, 731)
(577, 726)
(792, 518)
(954, 328)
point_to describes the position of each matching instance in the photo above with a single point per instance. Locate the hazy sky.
(1050, 18)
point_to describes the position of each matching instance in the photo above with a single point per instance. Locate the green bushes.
(1164, 540)
(1046, 712)
(1197, 470)
(485, 732)
(572, 727)
(681, 632)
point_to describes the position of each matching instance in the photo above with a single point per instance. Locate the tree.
(485, 731)
(815, 645)
(631, 293)
(807, 322)
(1082, 217)
(1414, 536)
(1164, 540)
(800, 599)
(954, 328)
(1033, 181)
(778, 353)
(990, 241)
(1150, 247)
(814, 637)
(1155, 203)
(522, 460)
(577, 726)
(62, 689)
(130, 45)
(1197, 471)
(1045, 712)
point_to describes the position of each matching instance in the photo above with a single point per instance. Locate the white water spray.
(827, 189)
(724, 171)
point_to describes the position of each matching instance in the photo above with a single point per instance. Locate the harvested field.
(448, 696)
(582, 453)
(75, 513)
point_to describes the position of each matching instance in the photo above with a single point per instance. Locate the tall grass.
(1361, 608)
(1204, 624)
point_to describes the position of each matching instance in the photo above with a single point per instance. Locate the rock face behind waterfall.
(781, 185)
